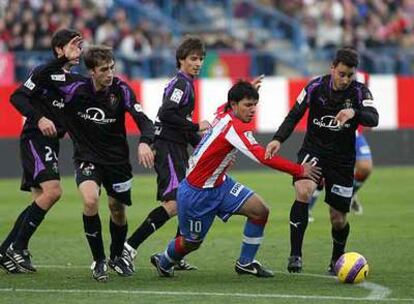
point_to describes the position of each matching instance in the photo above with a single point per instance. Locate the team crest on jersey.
(113, 100)
(176, 95)
(348, 104)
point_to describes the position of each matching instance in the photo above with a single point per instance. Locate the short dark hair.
(347, 56)
(240, 90)
(62, 37)
(188, 46)
(95, 55)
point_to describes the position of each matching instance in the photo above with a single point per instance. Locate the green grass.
(384, 235)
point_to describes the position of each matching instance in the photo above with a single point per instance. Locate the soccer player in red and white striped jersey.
(207, 191)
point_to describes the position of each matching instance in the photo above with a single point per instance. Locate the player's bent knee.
(303, 194)
(171, 208)
(51, 192)
(261, 216)
(363, 168)
(118, 213)
(338, 219)
(90, 204)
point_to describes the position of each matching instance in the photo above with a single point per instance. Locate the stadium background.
(288, 41)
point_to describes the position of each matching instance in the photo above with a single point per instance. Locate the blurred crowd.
(361, 23)
(29, 25)
(146, 46)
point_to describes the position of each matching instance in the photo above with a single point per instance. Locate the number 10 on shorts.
(195, 226)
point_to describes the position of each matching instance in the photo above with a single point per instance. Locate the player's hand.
(145, 155)
(47, 127)
(272, 148)
(257, 82)
(72, 49)
(311, 171)
(204, 125)
(344, 115)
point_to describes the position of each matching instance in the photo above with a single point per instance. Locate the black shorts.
(338, 180)
(171, 162)
(116, 179)
(39, 157)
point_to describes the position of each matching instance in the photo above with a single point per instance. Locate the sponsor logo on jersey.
(96, 115)
(342, 191)
(58, 103)
(176, 95)
(250, 137)
(237, 188)
(29, 84)
(58, 77)
(330, 123)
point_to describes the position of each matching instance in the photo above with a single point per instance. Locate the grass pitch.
(383, 234)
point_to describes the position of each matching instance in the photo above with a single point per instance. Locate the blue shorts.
(197, 207)
(362, 148)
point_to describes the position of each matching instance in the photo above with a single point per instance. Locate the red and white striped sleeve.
(243, 140)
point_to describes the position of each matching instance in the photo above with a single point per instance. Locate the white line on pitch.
(179, 293)
(377, 291)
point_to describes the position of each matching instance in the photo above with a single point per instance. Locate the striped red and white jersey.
(218, 147)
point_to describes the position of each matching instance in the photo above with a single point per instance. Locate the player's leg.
(88, 179)
(196, 212)
(118, 228)
(298, 219)
(257, 212)
(363, 169)
(338, 186)
(170, 165)
(299, 213)
(6, 263)
(41, 175)
(167, 183)
(117, 181)
(313, 199)
(339, 231)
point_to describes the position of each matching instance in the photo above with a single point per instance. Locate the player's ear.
(233, 103)
(59, 51)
